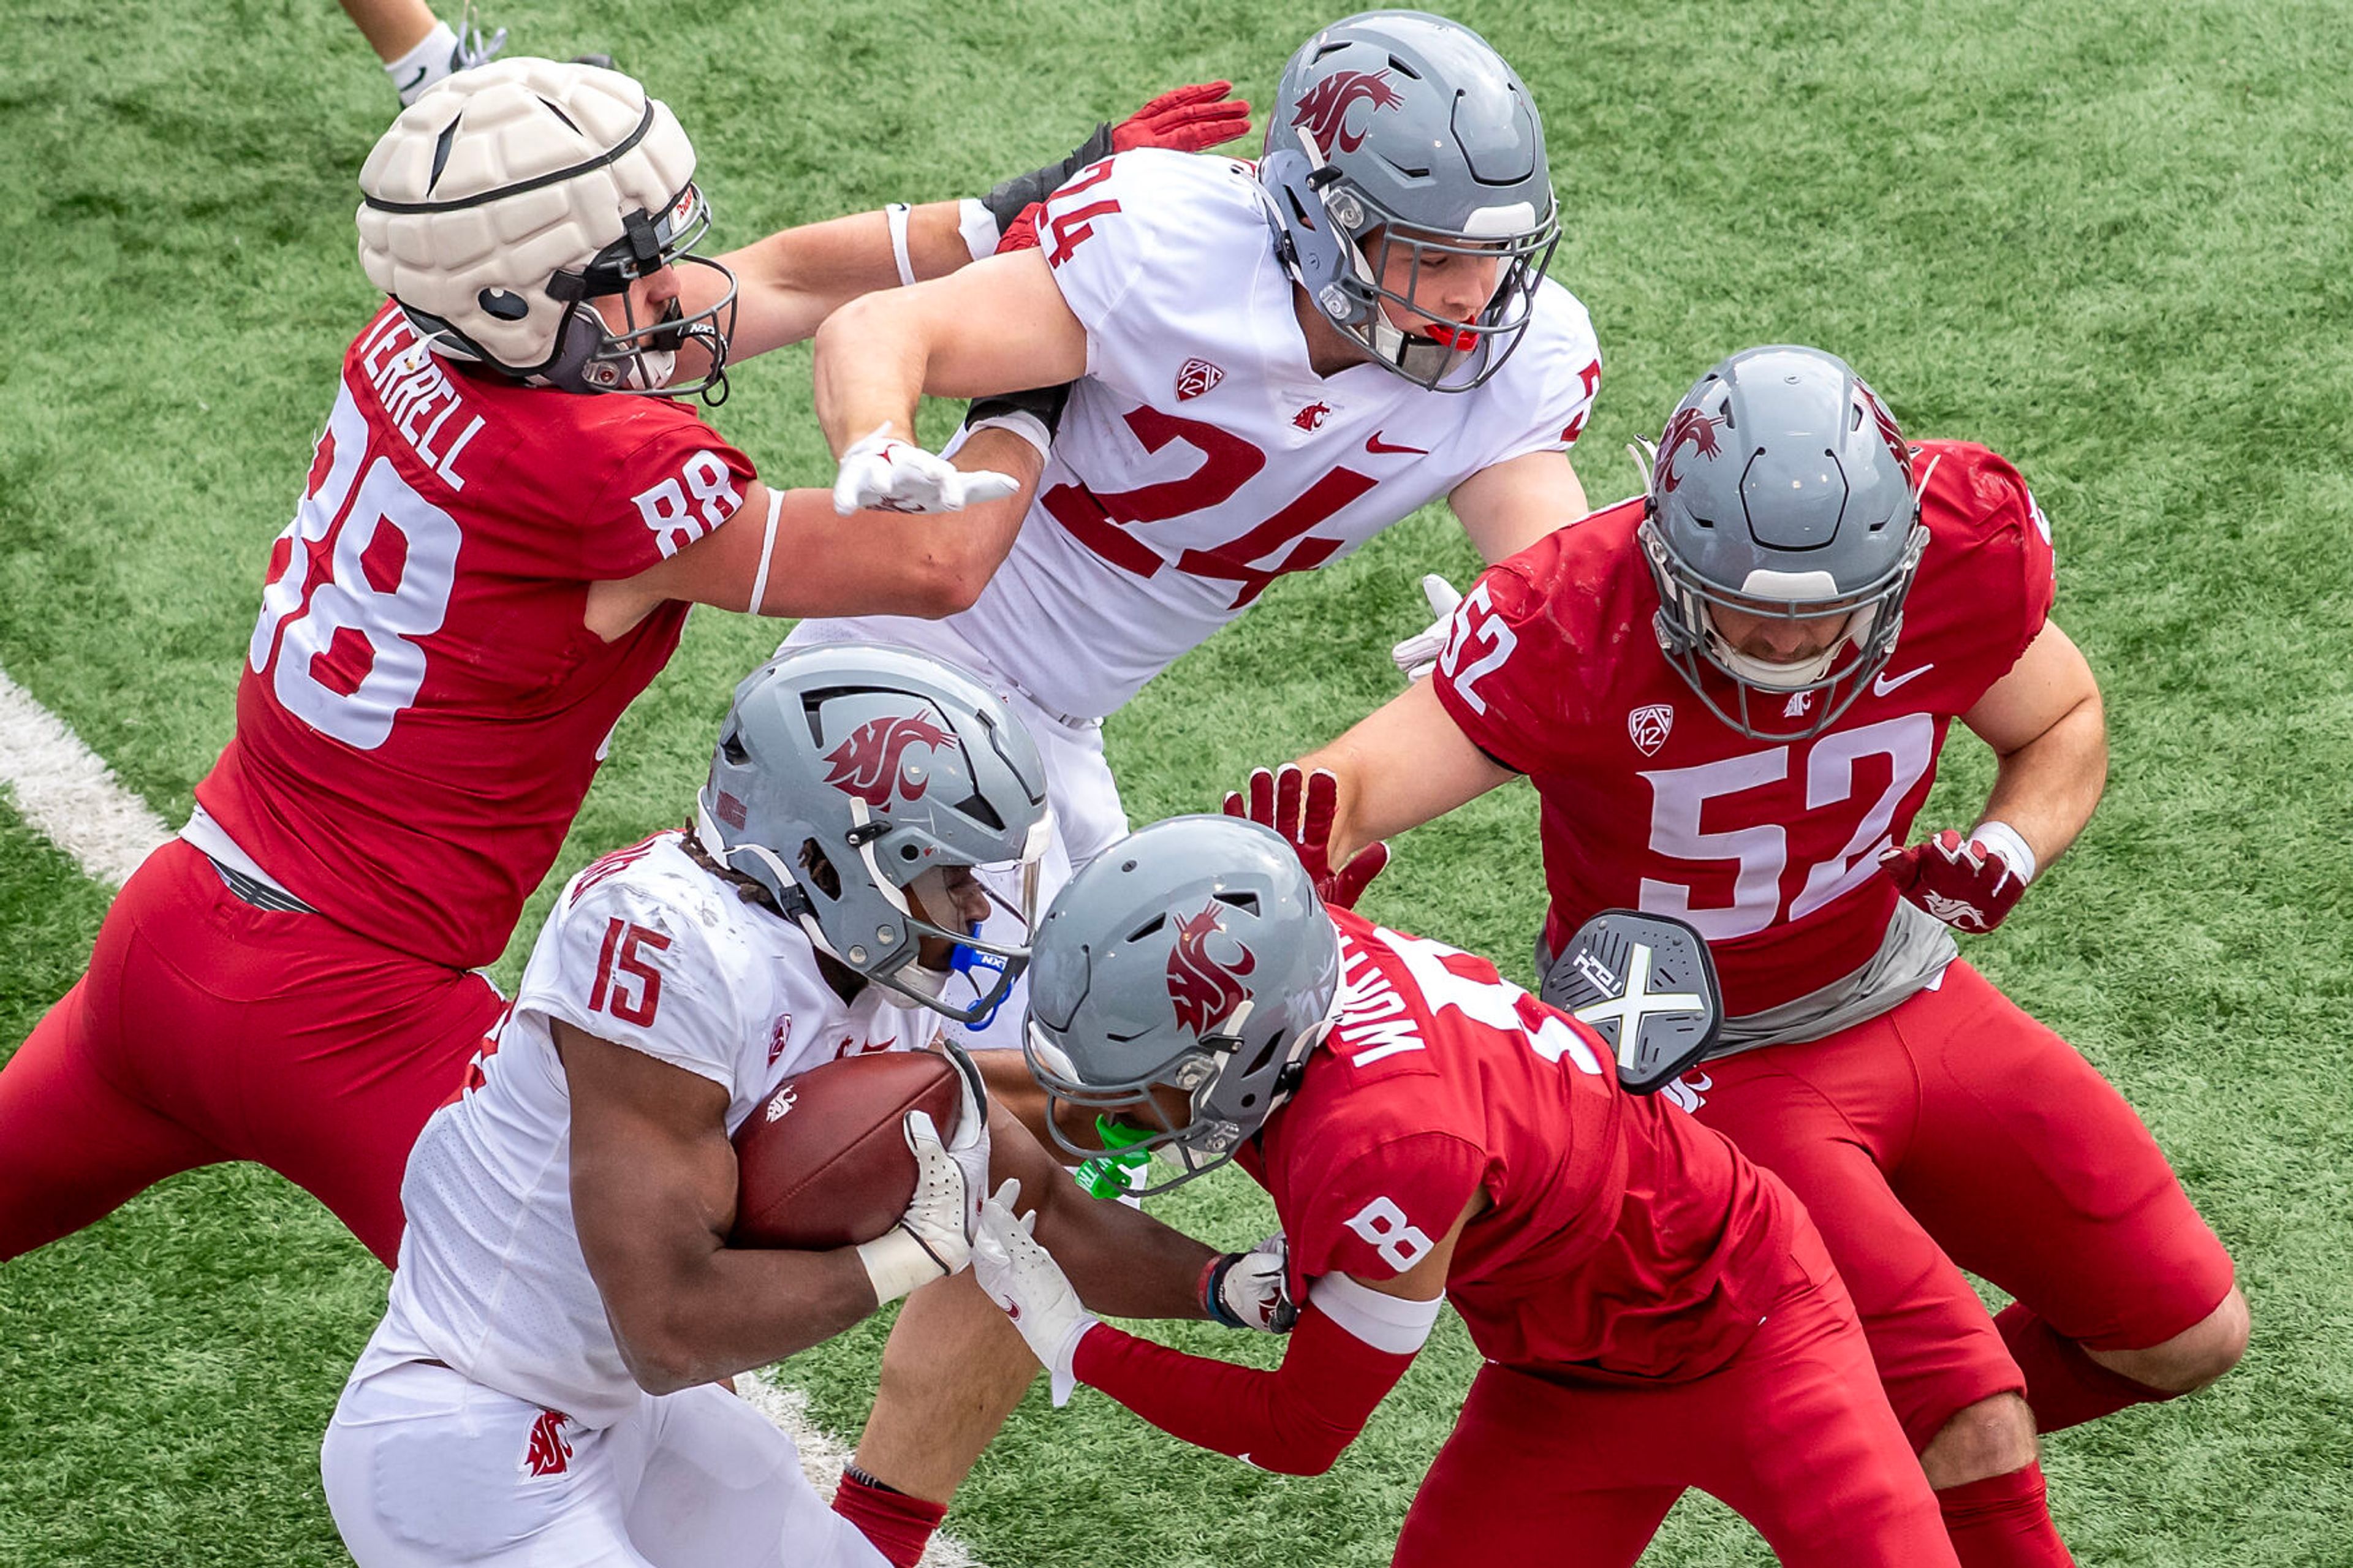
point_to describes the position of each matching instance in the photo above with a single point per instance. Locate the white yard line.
(66, 791)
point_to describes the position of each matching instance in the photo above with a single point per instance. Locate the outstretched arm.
(1508, 506)
(791, 281)
(1355, 1339)
(788, 553)
(1404, 763)
(999, 325)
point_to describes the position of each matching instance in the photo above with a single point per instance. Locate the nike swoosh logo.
(410, 85)
(1374, 445)
(1887, 683)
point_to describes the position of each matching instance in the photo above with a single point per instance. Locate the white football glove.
(1251, 1290)
(1022, 1276)
(883, 473)
(1418, 654)
(934, 1238)
(970, 1150)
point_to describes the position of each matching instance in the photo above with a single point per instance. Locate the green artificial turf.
(2114, 243)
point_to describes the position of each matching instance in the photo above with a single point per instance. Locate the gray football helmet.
(1412, 125)
(1781, 487)
(886, 764)
(1193, 955)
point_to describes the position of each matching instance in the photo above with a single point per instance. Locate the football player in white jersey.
(541, 1389)
(1269, 364)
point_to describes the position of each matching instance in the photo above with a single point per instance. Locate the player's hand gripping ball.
(1966, 883)
(825, 1161)
(1302, 809)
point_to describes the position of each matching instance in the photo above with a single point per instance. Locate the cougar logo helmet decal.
(1688, 425)
(1887, 430)
(1323, 111)
(869, 764)
(1203, 989)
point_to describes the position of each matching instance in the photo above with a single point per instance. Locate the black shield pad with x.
(1647, 986)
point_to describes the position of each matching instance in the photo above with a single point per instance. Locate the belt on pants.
(258, 893)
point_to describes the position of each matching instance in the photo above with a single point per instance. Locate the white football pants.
(424, 1467)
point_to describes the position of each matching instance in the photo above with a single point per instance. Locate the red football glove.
(1276, 801)
(1021, 233)
(1187, 118)
(1959, 880)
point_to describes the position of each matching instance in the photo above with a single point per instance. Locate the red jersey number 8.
(341, 651)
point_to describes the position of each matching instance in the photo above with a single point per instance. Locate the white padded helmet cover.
(508, 123)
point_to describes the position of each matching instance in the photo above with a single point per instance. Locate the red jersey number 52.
(1478, 636)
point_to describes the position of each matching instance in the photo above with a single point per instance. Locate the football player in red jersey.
(1730, 695)
(1656, 1311)
(495, 552)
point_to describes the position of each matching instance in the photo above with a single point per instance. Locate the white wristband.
(978, 227)
(2006, 842)
(1021, 423)
(896, 1263)
(896, 216)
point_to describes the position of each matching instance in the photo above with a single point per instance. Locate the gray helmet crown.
(1782, 487)
(1413, 125)
(886, 764)
(1195, 955)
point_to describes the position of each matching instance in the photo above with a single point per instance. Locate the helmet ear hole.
(505, 306)
(820, 870)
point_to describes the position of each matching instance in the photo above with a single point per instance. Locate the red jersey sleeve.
(1376, 1211)
(662, 492)
(1508, 665)
(1295, 1420)
(1997, 575)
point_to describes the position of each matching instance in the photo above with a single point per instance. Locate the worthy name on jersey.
(1771, 850)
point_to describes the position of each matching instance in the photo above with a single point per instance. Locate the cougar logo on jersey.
(1312, 417)
(1204, 991)
(1688, 425)
(867, 764)
(548, 1453)
(1650, 726)
(1198, 376)
(1323, 112)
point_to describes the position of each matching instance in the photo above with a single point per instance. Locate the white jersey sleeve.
(1124, 239)
(627, 959)
(1542, 397)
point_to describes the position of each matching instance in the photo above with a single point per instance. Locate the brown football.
(823, 1162)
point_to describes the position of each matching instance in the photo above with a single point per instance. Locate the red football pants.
(1956, 1132)
(207, 1029)
(1794, 1435)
